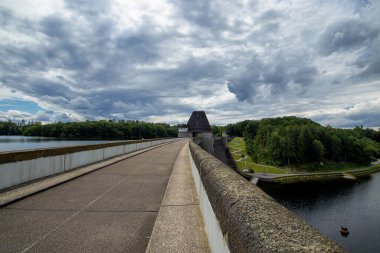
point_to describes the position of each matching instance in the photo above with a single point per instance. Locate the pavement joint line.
(124, 211)
(78, 172)
(40, 210)
(183, 205)
(74, 210)
(70, 217)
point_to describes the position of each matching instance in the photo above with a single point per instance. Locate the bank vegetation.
(103, 129)
(305, 144)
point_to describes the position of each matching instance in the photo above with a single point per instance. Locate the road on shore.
(110, 210)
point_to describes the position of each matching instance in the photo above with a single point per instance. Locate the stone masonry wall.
(251, 220)
(207, 142)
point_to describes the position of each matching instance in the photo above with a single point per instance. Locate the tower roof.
(198, 122)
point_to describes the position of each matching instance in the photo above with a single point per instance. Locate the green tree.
(318, 150)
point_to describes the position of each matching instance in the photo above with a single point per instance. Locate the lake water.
(13, 143)
(327, 206)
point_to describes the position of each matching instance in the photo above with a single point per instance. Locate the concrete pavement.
(179, 226)
(110, 210)
(20, 192)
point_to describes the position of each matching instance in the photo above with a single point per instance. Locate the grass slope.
(244, 161)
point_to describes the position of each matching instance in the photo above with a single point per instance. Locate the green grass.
(237, 149)
(329, 166)
(236, 143)
(260, 168)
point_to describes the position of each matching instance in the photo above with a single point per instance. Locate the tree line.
(103, 129)
(295, 141)
(9, 128)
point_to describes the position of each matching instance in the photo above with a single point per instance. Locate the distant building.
(183, 130)
(184, 133)
(198, 123)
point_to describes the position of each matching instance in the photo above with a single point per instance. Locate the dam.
(165, 195)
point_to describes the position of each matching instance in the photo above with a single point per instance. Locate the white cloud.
(34, 9)
(14, 115)
(363, 113)
(159, 60)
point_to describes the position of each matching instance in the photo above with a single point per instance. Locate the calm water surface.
(327, 206)
(13, 143)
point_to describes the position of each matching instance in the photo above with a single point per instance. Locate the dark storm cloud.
(14, 57)
(137, 47)
(192, 70)
(39, 87)
(244, 86)
(112, 55)
(138, 60)
(61, 51)
(276, 75)
(369, 63)
(23, 58)
(65, 49)
(132, 103)
(373, 69)
(55, 27)
(365, 118)
(201, 13)
(5, 17)
(346, 35)
(305, 75)
(364, 113)
(105, 58)
(211, 18)
(84, 8)
(115, 62)
(270, 15)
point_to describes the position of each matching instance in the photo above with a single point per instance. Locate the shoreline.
(317, 176)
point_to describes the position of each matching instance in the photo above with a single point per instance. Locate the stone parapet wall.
(250, 220)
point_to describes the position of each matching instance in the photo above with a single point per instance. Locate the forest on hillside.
(103, 129)
(296, 141)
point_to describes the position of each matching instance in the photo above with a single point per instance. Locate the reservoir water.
(13, 143)
(327, 206)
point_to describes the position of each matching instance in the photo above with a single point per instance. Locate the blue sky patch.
(19, 105)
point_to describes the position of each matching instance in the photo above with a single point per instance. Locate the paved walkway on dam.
(113, 209)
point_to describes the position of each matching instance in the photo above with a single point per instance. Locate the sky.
(157, 61)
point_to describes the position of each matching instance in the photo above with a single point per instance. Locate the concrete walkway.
(112, 209)
(179, 226)
(20, 192)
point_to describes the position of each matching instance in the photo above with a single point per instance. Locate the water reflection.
(327, 206)
(16, 143)
(21, 139)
